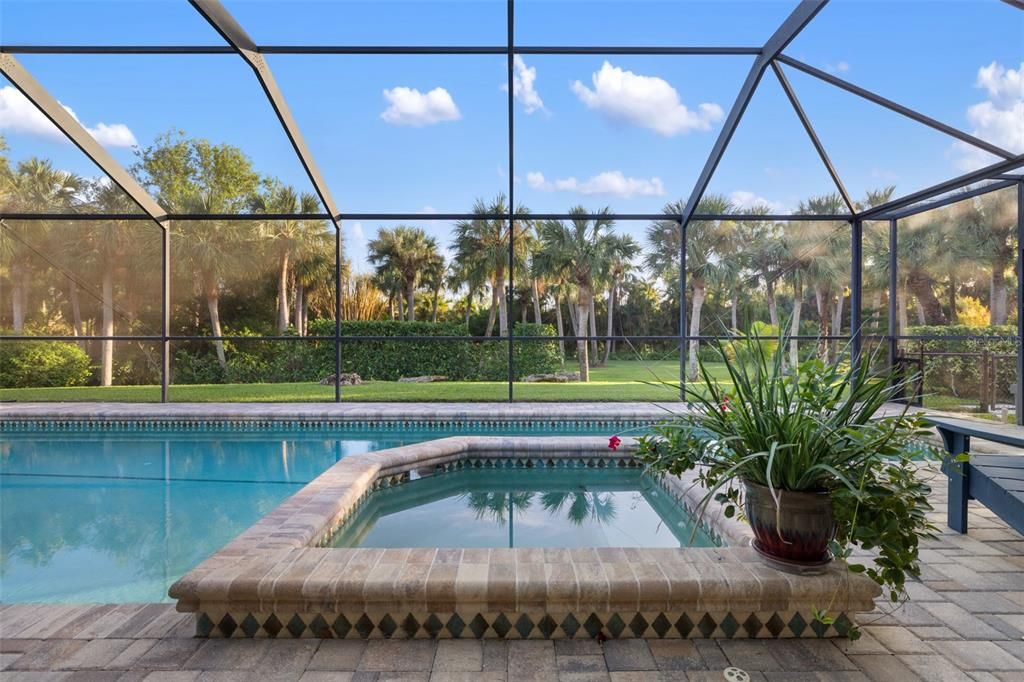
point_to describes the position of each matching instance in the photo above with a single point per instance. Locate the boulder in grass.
(426, 379)
(347, 379)
(556, 378)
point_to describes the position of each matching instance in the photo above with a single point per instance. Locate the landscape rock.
(556, 378)
(347, 379)
(427, 379)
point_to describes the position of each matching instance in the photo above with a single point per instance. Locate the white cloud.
(523, 77)
(645, 101)
(410, 107)
(19, 115)
(743, 199)
(428, 209)
(999, 119)
(356, 233)
(610, 183)
(838, 67)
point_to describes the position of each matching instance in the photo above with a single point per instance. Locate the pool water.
(118, 516)
(542, 507)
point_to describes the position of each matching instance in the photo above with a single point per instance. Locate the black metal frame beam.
(385, 49)
(822, 154)
(898, 108)
(914, 209)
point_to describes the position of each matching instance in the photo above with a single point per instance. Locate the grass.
(621, 380)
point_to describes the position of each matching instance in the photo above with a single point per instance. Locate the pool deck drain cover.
(278, 578)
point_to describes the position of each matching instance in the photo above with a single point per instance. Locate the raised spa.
(524, 507)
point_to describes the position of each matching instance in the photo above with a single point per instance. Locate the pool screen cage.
(768, 60)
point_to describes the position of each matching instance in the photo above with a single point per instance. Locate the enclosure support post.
(893, 284)
(165, 312)
(337, 314)
(1019, 396)
(856, 286)
(683, 342)
(508, 293)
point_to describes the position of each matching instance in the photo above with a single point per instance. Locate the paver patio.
(964, 621)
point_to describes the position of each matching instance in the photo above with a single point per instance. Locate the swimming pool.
(117, 515)
(557, 507)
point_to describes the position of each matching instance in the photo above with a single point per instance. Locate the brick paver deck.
(964, 621)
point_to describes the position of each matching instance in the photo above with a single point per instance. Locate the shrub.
(43, 364)
(960, 375)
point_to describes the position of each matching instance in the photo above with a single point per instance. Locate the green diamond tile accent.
(296, 626)
(341, 626)
(707, 625)
(797, 624)
(272, 625)
(615, 625)
(250, 626)
(524, 626)
(684, 625)
(547, 626)
(638, 624)
(364, 626)
(729, 625)
(319, 627)
(842, 625)
(410, 626)
(570, 625)
(455, 625)
(593, 625)
(502, 625)
(775, 625)
(204, 626)
(478, 626)
(752, 625)
(387, 625)
(227, 625)
(661, 625)
(818, 627)
(433, 625)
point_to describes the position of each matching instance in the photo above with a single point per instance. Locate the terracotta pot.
(797, 531)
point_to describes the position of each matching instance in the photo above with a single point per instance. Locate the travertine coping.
(275, 578)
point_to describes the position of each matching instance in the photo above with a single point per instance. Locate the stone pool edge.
(274, 580)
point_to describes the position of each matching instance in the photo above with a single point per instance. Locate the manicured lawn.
(620, 380)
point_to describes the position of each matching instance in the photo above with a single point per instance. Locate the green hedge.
(43, 364)
(961, 375)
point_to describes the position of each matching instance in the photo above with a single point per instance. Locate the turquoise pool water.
(543, 507)
(118, 516)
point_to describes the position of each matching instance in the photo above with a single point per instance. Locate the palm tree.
(582, 505)
(285, 236)
(481, 247)
(621, 262)
(581, 252)
(313, 272)
(34, 186)
(707, 246)
(435, 274)
(403, 253)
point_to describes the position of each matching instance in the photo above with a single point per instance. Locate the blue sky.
(428, 133)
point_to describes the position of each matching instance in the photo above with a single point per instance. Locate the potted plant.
(808, 455)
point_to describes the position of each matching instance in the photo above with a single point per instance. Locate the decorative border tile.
(519, 625)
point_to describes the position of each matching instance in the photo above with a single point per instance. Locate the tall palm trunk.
(502, 304)
(821, 298)
(901, 309)
(921, 285)
(734, 307)
(876, 306)
(282, 292)
(837, 318)
(794, 324)
(699, 292)
(401, 306)
(535, 293)
(582, 315)
(592, 314)
(300, 322)
(560, 327)
(492, 315)
(107, 345)
(18, 297)
(612, 294)
(433, 306)
(410, 297)
(998, 314)
(213, 307)
(773, 308)
(76, 309)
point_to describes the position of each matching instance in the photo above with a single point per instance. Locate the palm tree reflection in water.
(580, 506)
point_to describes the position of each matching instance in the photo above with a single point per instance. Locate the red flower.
(724, 405)
(614, 442)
